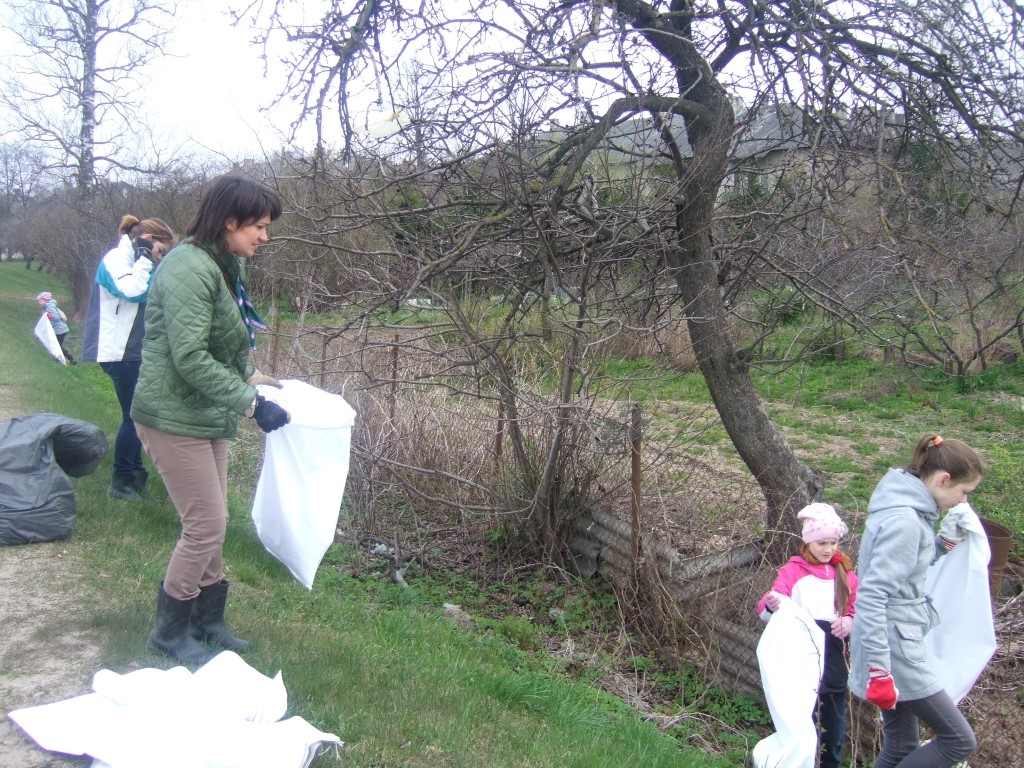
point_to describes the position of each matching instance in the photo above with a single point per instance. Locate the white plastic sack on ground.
(225, 715)
(965, 640)
(791, 656)
(46, 336)
(305, 465)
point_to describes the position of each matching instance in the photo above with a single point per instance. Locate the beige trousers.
(195, 473)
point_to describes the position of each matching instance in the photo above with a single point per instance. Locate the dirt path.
(45, 654)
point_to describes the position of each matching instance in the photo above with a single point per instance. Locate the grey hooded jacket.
(893, 611)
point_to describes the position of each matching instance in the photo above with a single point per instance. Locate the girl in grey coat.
(57, 320)
(889, 665)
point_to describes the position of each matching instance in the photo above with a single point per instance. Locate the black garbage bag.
(37, 453)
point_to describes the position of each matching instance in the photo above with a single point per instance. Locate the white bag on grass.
(791, 656)
(224, 715)
(305, 465)
(965, 639)
(46, 336)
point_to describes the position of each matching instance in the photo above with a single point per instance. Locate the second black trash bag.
(37, 454)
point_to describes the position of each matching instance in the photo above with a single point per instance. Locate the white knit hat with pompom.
(821, 522)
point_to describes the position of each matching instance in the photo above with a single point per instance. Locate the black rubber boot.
(122, 487)
(208, 621)
(139, 479)
(171, 635)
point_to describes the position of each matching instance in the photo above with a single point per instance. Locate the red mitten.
(882, 691)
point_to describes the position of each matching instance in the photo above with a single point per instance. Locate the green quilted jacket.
(195, 354)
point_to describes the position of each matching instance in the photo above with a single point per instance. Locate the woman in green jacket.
(196, 380)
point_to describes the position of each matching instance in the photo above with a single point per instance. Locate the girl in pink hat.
(821, 581)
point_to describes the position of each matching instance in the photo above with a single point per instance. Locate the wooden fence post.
(393, 397)
(275, 344)
(323, 361)
(499, 434)
(634, 452)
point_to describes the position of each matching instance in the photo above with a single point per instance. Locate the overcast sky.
(208, 96)
(214, 85)
(219, 94)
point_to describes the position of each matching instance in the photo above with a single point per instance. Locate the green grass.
(379, 664)
(373, 662)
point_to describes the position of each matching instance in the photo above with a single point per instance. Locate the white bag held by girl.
(44, 332)
(305, 465)
(791, 656)
(965, 639)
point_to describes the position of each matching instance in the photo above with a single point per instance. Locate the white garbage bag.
(305, 466)
(965, 639)
(224, 715)
(44, 332)
(791, 656)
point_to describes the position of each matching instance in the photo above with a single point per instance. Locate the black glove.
(143, 249)
(269, 415)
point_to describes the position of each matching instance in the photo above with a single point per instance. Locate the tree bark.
(787, 482)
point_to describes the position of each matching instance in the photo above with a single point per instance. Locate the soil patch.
(48, 652)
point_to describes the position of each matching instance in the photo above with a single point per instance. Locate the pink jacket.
(812, 587)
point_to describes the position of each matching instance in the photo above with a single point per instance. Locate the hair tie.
(937, 441)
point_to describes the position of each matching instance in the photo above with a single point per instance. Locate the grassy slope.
(370, 661)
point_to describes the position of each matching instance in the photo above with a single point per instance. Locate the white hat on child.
(821, 522)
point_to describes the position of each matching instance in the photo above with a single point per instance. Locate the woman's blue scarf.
(250, 316)
(231, 267)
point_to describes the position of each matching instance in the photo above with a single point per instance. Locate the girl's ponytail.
(843, 564)
(934, 454)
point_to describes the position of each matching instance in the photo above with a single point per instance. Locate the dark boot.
(171, 634)
(122, 487)
(139, 479)
(208, 621)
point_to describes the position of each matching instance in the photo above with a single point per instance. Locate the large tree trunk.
(81, 280)
(787, 482)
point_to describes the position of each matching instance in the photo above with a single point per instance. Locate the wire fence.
(718, 593)
(706, 581)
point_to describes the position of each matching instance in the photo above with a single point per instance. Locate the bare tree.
(515, 73)
(76, 89)
(20, 183)
(74, 96)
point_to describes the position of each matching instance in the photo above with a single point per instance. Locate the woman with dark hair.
(196, 380)
(112, 336)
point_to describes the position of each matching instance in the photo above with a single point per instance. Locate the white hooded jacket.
(113, 327)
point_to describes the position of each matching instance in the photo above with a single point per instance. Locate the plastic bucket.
(999, 540)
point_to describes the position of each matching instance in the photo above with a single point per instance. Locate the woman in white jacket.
(112, 335)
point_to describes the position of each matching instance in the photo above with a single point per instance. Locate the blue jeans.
(901, 743)
(127, 446)
(830, 717)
